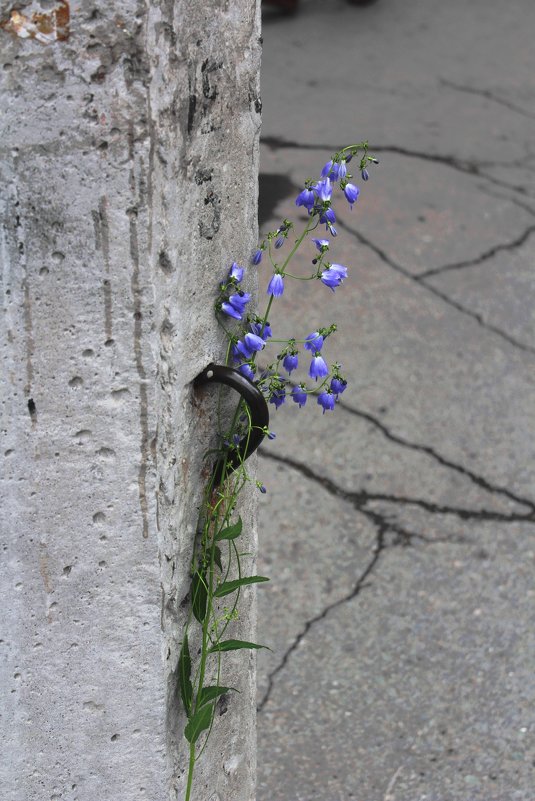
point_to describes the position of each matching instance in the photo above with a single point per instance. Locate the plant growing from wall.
(217, 574)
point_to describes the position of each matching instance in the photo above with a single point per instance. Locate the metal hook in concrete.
(219, 374)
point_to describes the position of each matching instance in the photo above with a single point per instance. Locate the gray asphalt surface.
(399, 530)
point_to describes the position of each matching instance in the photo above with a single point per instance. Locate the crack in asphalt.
(516, 343)
(379, 547)
(464, 166)
(361, 498)
(428, 450)
(486, 93)
(467, 167)
(476, 479)
(383, 525)
(488, 254)
(514, 200)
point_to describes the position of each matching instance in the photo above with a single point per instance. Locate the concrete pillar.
(128, 185)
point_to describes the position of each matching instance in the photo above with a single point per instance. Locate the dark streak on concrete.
(27, 304)
(102, 242)
(105, 238)
(192, 105)
(209, 91)
(28, 329)
(208, 228)
(143, 399)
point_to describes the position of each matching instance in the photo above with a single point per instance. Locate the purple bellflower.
(334, 276)
(331, 278)
(230, 310)
(321, 243)
(318, 368)
(351, 192)
(299, 395)
(314, 342)
(328, 217)
(243, 351)
(256, 328)
(257, 256)
(365, 174)
(337, 386)
(279, 242)
(240, 301)
(236, 272)
(327, 169)
(290, 362)
(306, 198)
(326, 399)
(276, 285)
(254, 342)
(247, 371)
(324, 189)
(278, 396)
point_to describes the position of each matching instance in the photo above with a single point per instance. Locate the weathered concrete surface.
(399, 530)
(129, 184)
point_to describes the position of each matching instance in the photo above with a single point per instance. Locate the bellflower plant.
(216, 557)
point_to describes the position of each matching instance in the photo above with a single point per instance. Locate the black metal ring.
(258, 407)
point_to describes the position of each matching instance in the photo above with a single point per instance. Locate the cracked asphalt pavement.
(399, 530)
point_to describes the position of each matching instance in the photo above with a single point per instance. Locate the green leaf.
(199, 595)
(234, 645)
(210, 693)
(217, 557)
(199, 722)
(229, 586)
(184, 676)
(230, 533)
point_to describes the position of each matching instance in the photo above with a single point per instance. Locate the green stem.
(190, 770)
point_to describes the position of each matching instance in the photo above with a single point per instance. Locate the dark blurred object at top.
(291, 6)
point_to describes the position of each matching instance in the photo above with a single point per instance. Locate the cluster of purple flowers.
(233, 300)
(277, 387)
(316, 198)
(232, 303)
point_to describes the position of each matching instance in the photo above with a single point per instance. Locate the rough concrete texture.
(398, 531)
(129, 185)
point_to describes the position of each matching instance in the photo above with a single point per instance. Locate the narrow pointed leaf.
(229, 586)
(211, 693)
(234, 645)
(198, 723)
(217, 557)
(184, 676)
(199, 596)
(230, 533)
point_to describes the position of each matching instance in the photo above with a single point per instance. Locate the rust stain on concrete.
(44, 26)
